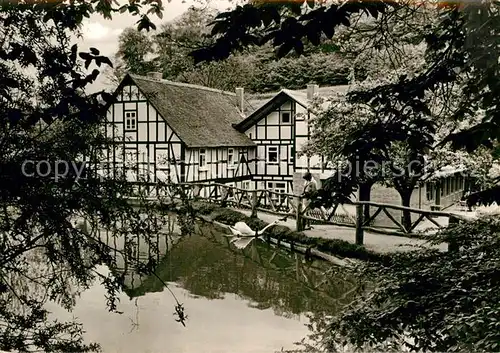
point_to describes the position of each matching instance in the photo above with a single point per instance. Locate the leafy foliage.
(457, 46)
(295, 72)
(134, 47)
(430, 300)
(484, 197)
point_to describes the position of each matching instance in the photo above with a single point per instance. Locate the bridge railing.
(294, 206)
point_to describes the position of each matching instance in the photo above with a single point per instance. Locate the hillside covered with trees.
(258, 69)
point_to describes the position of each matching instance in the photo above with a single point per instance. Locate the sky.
(103, 34)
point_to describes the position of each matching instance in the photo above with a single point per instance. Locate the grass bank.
(334, 247)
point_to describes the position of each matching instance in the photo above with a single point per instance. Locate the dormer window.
(130, 120)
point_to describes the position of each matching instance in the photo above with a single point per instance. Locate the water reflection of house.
(187, 133)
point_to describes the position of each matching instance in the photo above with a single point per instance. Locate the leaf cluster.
(431, 300)
(281, 24)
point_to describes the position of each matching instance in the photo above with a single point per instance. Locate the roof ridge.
(182, 84)
(300, 90)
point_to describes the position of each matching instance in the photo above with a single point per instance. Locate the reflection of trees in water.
(208, 266)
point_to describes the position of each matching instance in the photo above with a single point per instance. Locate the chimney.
(312, 89)
(155, 75)
(240, 98)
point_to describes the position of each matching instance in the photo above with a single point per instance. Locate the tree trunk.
(406, 216)
(364, 195)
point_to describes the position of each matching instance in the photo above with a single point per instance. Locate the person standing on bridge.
(310, 187)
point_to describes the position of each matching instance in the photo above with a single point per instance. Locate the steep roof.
(200, 116)
(259, 105)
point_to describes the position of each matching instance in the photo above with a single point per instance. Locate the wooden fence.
(290, 205)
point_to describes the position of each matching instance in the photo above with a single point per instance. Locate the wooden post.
(359, 223)
(307, 253)
(254, 203)
(298, 215)
(420, 187)
(452, 245)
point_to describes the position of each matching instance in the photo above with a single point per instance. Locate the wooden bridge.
(290, 205)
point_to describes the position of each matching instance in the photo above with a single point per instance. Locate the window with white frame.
(202, 160)
(277, 187)
(130, 120)
(230, 158)
(272, 154)
(285, 117)
(246, 185)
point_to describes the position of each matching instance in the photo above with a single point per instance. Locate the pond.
(252, 300)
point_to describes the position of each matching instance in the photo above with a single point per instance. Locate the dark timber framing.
(155, 140)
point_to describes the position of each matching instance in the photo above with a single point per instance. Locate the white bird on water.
(243, 234)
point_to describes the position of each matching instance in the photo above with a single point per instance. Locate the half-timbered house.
(178, 132)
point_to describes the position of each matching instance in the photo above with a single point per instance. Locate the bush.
(256, 223)
(346, 249)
